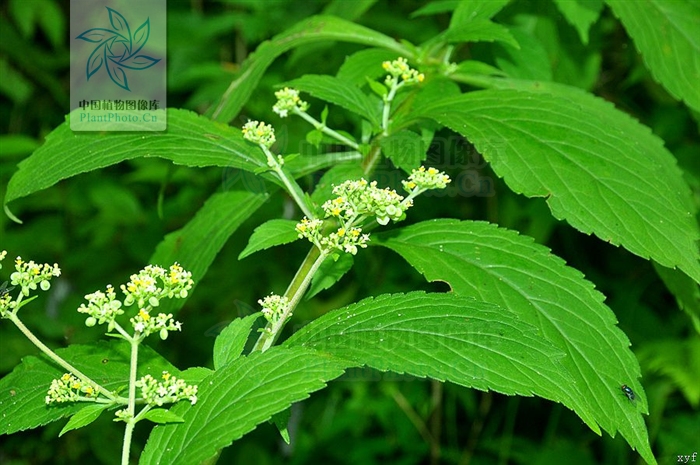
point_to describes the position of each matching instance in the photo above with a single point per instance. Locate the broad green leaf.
(678, 360)
(474, 10)
(190, 140)
(529, 61)
(23, 391)
(405, 149)
(581, 14)
(230, 342)
(685, 290)
(85, 416)
(340, 92)
(313, 30)
(478, 67)
(365, 64)
(161, 415)
(599, 169)
(436, 7)
(329, 273)
(237, 398)
(481, 30)
(445, 337)
(269, 234)
(666, 34)
(498, 266)
(196, 244)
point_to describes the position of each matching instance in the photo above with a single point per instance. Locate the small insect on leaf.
(628, 391)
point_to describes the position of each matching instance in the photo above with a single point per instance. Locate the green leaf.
(197, 243)
(270, 234)
(281, 421)
(478, 67)
(529, 61)
(666, 34)
(86, 415)
(581, 14)
(365, 64)
(474, 10)
(444, 337)
(237, 398)
(312, 30)
(498, 266)
(229, 344)
(377, 87)
(405, 149)
(481, 30)
(161, 415)
(685, 290)
(329, 273)
(436, 7)
(599, 169)
(23, 391)
(340, 92)
(190, 140)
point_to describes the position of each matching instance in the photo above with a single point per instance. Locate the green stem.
(131, 406)
(294, 293)
(289, 183)
(56, 358)
(325, 129)
(370, 162)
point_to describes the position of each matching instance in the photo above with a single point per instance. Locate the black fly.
(628, 391)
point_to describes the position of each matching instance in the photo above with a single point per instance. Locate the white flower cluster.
(102, 308)
(274, 307)
(168, 391)
(259, 133)
(424, 179)
(145, 324)
(344, 239)
(30, 274)
(68, 388)
(360, 198)
(288, 100)
(399, 68)
(146, 289)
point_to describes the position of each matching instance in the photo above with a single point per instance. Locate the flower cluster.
(168, 391)
(399, 68)
(274, 307)
(146, 324)
(29, 274)
(143, 288)
(102, 307)
(360, 198)
(68, 388)
(287, 100)
(344, 239)
(259, 133)
(424, 179)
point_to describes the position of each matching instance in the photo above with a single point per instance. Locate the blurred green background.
(102, 226)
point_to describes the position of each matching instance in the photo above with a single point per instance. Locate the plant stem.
(56, 358)
(289, 183)
(294, 293)
(131, 406)
(325, 129)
